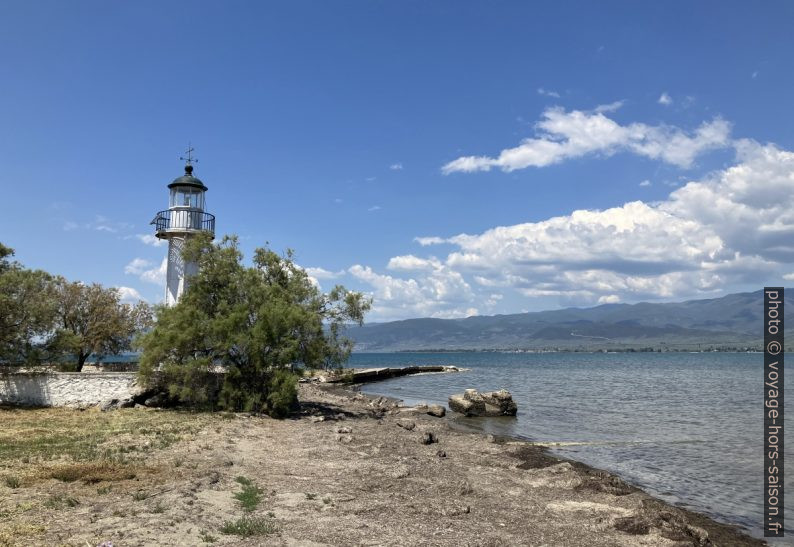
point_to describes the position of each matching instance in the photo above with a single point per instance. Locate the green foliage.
(249, 526)
(27, 311)
(255, 324)
(43, 317)
(250, 496)
(92, 319)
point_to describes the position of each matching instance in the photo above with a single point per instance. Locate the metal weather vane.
(189, 155)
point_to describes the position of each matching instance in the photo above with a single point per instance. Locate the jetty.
(384, 373)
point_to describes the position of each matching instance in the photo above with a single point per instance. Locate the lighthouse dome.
(188, 180)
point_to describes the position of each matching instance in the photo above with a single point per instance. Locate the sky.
(449, 158)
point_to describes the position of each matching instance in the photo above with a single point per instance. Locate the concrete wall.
(73, 389)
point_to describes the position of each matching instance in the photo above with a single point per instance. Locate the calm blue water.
(686, 427)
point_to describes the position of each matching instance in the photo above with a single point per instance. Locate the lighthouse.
(184, 218)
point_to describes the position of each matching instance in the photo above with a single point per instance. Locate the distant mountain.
(732, 321)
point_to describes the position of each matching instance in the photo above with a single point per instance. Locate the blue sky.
(450, 158)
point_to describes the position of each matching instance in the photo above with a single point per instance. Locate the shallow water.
(686, 427)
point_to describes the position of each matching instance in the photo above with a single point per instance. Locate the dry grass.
(92, 473)
(53, 457)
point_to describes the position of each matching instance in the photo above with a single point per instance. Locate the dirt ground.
(348, 470)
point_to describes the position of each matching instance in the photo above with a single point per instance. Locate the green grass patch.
(12, 481)
(250, 496)
(249, 526)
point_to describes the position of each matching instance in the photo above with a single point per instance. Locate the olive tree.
(91, 319)
(27, 311)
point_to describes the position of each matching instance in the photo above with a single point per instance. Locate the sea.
(685, 427)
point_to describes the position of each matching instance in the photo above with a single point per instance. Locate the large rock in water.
(489, 403)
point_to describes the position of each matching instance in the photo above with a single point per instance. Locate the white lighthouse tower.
(184, 218)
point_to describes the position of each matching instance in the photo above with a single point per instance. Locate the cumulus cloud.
(563, 135)
(665, 99)
(396, 166)
(437, 292)
(646, 182)
(130, 295)
(149, 239)
(143, 269)
(732, 228)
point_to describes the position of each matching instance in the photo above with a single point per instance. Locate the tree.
(253, 323)
(92, 319)
(27, 311)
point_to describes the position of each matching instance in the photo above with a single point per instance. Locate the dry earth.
(348, 470)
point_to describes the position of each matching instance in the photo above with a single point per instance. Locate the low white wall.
(74, 389)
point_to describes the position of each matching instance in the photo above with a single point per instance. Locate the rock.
(436, 410)
(490, 403)
(109, 405)
(344, 439)
(344, 429)
(428, 437)
(317, 419)
(699, 535)
(157, 400)
(441, 454)
(400, 472)
(407, 425)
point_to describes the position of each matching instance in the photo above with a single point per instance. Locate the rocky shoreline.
(518, 493)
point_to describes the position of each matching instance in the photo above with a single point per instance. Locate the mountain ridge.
(730, 321)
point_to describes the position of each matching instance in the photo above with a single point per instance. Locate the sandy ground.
(349, 470)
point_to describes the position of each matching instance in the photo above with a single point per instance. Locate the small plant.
(250, 496)
(102, 490)
(310, 496)
(118, 513)
(158, 508)
(327, 500)
(244, 481)
(249, 526)
(140, 495)
(206, 537)
(12, 481)
(178, 463)
(60, 501)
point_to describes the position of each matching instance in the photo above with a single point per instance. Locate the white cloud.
(413, 263)
(149, 239)
(130, 295)
(374, 208)
(441, 292)
(137, 266)
(322, 273)
(563, 135)
(548, 93)
(396, 166)
(431, 240)
(665, 99)
(646, 182)
(732, 229)
(142, 268)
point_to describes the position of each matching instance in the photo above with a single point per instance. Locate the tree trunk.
(81, 361)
